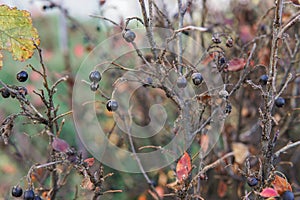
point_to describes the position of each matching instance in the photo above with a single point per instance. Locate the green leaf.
(17, 34)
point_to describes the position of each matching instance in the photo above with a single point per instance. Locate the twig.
(286, 147)
(111, 21)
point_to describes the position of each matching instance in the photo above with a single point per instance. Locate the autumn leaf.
(18, 35)
(183, 167)
(240, 151)
(222, 189)
(90, 161)
(281, 185)
(60, 145)
(236, 64)
(296, 2)
(269, 192)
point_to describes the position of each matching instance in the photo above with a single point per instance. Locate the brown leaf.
(183, 167)
(281, 185)
(241, 152)
(236, 64)
(204, 142)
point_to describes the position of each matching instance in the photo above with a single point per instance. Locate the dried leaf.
(296, 2)
(160, 191)
(90, 161)
(18, 35)
(281, 185)
(87, 184)
(236, 64)
(204, 142)
(183, 167)
(222, 189)
(60, 145)
(241, 152)
(269, 192)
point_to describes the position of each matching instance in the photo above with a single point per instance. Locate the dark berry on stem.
(216, 40)
(29, 195)
(112, 105)
(222, 61)
(252, 181)
(264, 79)
(37, 197)
(16, 191)
(279, 102)
(229, 42)
(5, 93)
(95, 76)
(94, 86)
(228, 109)
(181, 82)
(197, 78)
(129, 36)
(22, 76)
(288, 195)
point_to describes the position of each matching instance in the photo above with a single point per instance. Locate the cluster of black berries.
(22, 76)
(95, 77)
(17, 191)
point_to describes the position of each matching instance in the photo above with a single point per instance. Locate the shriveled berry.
(181, 82)
(16, 191)
(95, 76)
(288, 195)
(22, 76)
(264, 79)
(279, 102)
(252, 181)
(23, 91)
(29, 195)
(129, 35)
(112, 105)
(197, 78)
(94, 86)
(5, 93)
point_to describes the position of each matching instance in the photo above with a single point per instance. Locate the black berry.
(95, 76)
(112, 105)
(252, 181)
(229, 42)
(197, 78)
(129, 36)
(228, 108)
(288, 195)
(181, 82)
(5, 93)
(222, 61)
(29, 195)
(148, 81)
(94, 86)
(279, 102)
(22, 76)
(216, 40)
(16, 191)
(37, 197)
(263, 79)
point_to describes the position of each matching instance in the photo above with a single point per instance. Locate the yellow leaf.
(18, 35)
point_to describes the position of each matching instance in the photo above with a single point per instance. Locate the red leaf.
(236, 64)
(183, 167)
(60, 145)
(281, 185)
(90, 161)
(222, 189)
(269, 192)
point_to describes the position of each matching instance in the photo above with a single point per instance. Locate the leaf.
(18, 35)
(240, 151)
(204, 142)
(236, 64)
(281, 185)
(222, 189)
(296, 2)
(60, 145)
(183, 167)
(269, 192)
(90, 161)
(87, 184)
